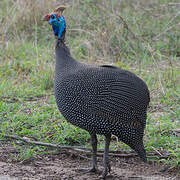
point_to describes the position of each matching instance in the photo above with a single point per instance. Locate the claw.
(109, 167)
(89, 170)
(103, 175)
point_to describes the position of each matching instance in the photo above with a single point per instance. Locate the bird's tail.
(139, 148)
(142, 153)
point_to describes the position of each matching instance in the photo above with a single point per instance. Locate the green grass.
(96, 34)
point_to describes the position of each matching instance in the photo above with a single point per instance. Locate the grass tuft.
(142, 37)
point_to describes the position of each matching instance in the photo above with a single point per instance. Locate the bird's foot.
(89, 170)
(106, 170)
(109, 167)
(103, 175)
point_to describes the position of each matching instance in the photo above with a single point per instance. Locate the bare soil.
(66, 166)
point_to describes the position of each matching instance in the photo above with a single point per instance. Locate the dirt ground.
(65, 166)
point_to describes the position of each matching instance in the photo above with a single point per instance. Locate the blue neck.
(59, 26)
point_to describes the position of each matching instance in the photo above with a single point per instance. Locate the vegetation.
(142, 36)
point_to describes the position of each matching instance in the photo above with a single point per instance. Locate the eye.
(52, 16)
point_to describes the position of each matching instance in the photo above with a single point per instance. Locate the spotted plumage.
(103, 100)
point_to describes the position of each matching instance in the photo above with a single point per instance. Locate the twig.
(166, 27)
(28, 141)
(84, 157)
(127, 27)
(84, 150)
(78, 149)
(156, 151)
(12, 99)
(174, 4)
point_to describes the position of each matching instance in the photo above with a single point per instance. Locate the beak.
(44, 18)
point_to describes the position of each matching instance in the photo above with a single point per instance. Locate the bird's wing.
(118, 95)
(115, 95)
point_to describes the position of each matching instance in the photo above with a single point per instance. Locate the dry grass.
(139, 35)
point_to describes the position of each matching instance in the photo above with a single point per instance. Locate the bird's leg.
(94, 150)
(107, 167)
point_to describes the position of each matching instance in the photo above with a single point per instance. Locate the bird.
(104, 100)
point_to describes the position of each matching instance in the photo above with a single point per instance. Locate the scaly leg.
(94, 150)
(107, 167)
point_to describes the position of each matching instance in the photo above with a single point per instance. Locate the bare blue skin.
(58, 25)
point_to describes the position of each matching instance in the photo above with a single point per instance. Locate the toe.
(89, 170)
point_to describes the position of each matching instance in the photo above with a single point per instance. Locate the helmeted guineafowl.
(103, 100)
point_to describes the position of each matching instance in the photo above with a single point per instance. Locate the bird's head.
(57, 21)
(51, 18)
